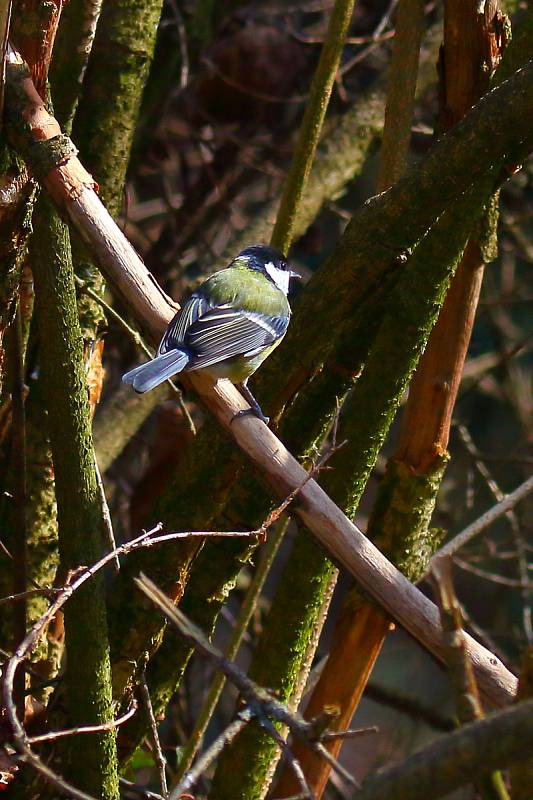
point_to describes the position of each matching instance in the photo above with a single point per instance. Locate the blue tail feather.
(162, 367)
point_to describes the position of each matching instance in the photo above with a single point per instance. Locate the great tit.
(231, 323)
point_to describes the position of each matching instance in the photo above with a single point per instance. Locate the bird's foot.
(254, 412)
(255, 408)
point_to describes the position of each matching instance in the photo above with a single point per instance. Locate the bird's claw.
(255, 412)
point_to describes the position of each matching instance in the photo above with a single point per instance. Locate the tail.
(149, 375)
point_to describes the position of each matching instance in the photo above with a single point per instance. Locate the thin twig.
(5, 17)
(76, 579)
(106, 726)
(107, 522)
(247, 609)
(329, 736)
(190, 777)
(376, 40)
(305, 38)
(134, 335)
(182, 36)
(295, 765)
(319, 748)
(483, 522)
(521, 554)
(241, 87)
(156, 744)
(141, 791)
(15, 598)
(28, 757)
(491, 576)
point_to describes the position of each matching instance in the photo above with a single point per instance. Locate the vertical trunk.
(91, 761)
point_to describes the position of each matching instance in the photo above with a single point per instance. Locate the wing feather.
(211, 334)
(175, 334)
(225, 332)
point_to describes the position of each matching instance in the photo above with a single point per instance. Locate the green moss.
(277, 663)
(91, 762)
(400, 519)
(42, 552)
(16, 202)
(413, 309)
(118, 66)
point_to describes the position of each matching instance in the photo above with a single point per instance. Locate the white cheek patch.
(280, 277)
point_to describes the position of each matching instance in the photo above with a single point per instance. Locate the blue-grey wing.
(224, 332)
(175, 334)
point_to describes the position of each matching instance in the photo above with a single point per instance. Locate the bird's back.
(246, 289)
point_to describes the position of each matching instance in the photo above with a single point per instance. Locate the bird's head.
(268, 261)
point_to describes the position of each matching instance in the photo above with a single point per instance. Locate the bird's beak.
(293, 274)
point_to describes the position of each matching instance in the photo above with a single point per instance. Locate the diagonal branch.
(260, 702)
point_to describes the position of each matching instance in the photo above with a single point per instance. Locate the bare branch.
(20, 739)
(107, 726)
(190, 777)
(158, 752)
(107, 522)
(263, 704)
(15, 598)
(293, 762)
(329, 736)
(483, 522)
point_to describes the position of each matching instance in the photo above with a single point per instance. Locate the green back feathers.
(248, 289)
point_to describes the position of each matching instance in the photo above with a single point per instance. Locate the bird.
(228, 326)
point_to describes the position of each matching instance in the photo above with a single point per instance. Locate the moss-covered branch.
(413, 308)
(406, 497)
(311, 128)
(118, 66)
(522, 774)
(119, 420)
(108, 109)
(33, 28)
(92, 763)
(72, 48)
